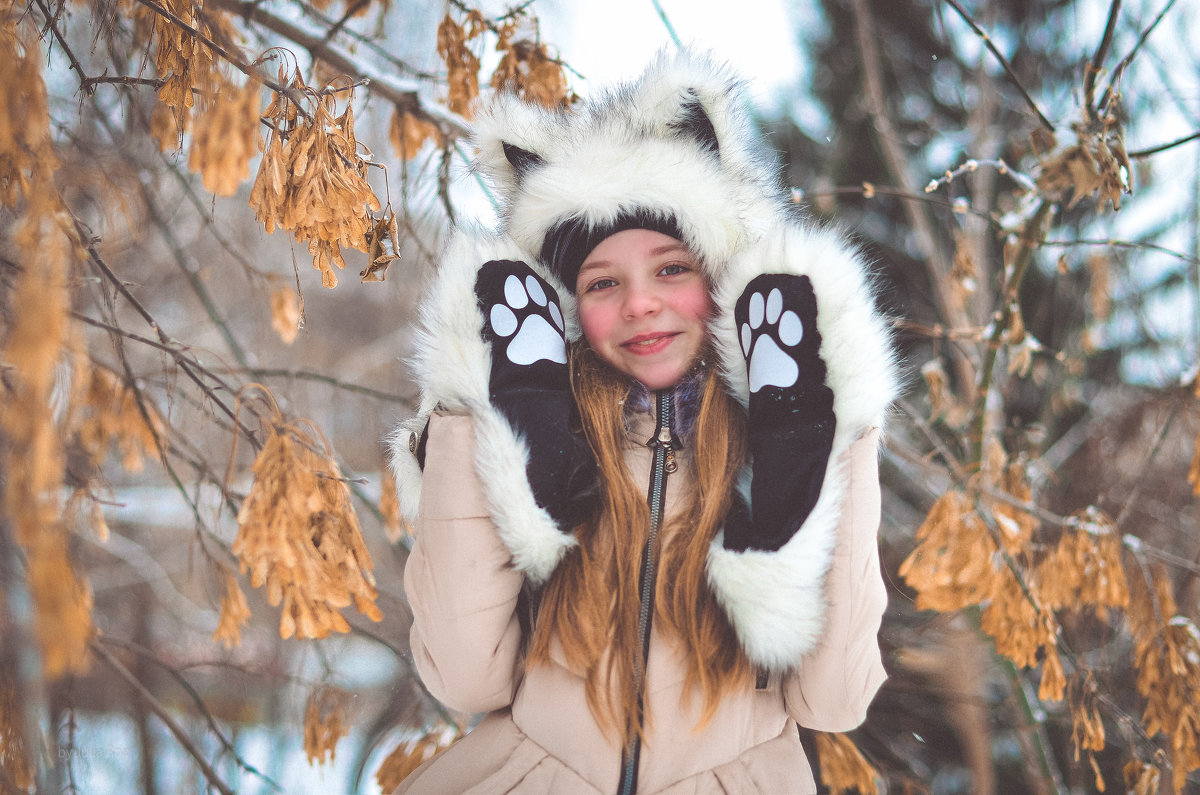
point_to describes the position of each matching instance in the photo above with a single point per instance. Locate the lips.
(650, 342)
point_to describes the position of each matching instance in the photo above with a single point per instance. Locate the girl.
(644, 471)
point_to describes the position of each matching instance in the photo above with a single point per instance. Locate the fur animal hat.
(673, 151)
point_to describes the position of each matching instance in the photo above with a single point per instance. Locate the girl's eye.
(674, 269)
(601, 284)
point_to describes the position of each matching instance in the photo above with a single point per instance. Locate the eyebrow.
(657, 251)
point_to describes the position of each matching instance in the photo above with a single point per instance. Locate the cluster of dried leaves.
(312, 179)
(1096, 163)
(526, 67)
(1167, 658)
(26, 157)
(983, 546)
(15, 764)
(39, 337)
(113, 413)
(843, 767)
(299, 537)
(225, 136)
(185, 64)
(287, 312)
(326, 720)
(411, 754)
(235, 612)
(408, 133)
(394, 523)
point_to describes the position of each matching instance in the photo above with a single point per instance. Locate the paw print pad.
(532, 319)
(766, 334)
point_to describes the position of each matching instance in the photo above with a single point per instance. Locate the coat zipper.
(663, 444)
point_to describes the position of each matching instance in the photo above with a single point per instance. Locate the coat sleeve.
(460, 581)
(452, 364)
(834, 684)
(776, 599)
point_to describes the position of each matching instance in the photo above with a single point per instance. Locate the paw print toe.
(515, 294)
(791, 330)
(504, 320)
(535, 291)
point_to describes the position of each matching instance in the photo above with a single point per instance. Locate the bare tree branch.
(1097, 63)
(1111, 90)
(181, 736)
(229, 748)
(1008, 70)
(1154, 150)
(405, 98)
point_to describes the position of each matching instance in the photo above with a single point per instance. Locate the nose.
(640, 302)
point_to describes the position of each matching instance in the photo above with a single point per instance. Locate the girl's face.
(643, 305)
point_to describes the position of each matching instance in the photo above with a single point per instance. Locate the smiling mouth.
(649, 343)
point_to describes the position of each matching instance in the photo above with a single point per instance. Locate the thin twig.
(369, 43)
(1008, 70)
(872, 191)
(1097, 63)
(1151, 454)
(147, 654)
(956, 471)
(1124, 64)
(1179, 255)
(52, 23)
(260, 373)
(190, 367)
(158, 709)
(1030, 239)
(243, 67)
(451, 125)
(898, 164)
(662, 15)
(88, 84)
(1154, 150)
(351, 10)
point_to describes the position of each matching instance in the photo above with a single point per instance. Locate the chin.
(659, 380)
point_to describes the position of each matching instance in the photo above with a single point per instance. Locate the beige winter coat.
(539, 735)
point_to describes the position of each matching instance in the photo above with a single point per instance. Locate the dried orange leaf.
(843, 767)
(285, 313)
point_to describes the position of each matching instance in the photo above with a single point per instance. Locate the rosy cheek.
(697, 305)
(593, 322)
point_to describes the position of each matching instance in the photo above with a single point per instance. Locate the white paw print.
(535, 338)
(768, 363)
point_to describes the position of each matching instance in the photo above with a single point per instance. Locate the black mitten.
(791, 420)
(530, 385)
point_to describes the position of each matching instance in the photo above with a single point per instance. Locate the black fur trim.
(522, 160)
(695, 124)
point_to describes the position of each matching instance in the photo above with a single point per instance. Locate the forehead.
(631, 245)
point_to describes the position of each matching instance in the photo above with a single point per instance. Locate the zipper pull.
(664, 438)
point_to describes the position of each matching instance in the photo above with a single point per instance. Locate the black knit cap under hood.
(569, 242)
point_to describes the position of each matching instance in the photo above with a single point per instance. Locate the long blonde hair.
(591, 602)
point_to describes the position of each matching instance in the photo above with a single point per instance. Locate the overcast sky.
(614, 40)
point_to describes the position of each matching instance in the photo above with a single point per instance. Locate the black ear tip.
(694, 123)
(521, 159)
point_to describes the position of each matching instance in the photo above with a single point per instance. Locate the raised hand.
(791, 421)
(530, 385)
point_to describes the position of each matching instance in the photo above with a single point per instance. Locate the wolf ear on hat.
(694, 123)
(515, 138)
(522, 160)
